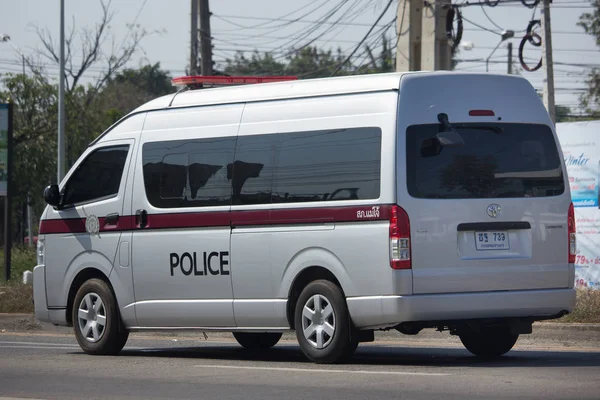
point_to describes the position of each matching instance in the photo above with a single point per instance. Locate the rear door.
(490, 214)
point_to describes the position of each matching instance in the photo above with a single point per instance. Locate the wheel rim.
(318, 321)
(91, 316)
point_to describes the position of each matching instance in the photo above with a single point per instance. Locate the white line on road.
(17, 398)
(335, 371)
(48, 346)
(37, 347)
(40, 343)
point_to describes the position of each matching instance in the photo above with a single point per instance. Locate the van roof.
(288, 90)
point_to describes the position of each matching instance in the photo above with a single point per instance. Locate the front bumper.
(56, 316)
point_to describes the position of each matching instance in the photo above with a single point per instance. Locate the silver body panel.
(448, 280)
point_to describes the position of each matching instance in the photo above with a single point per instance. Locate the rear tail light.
(399, 239)
(572, 235)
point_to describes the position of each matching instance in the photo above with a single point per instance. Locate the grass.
(587, 309)
(23, 258)
(16, 297)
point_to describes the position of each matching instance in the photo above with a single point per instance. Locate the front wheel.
(256, 341)
(322, 323)
(489, 342)
(96, 319)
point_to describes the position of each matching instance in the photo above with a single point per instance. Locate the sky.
(281, 25)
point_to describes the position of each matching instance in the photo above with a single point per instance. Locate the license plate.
(491, 240)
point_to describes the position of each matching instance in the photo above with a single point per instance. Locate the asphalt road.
(51, 366)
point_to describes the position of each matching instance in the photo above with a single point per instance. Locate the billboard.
(580, 142)
(3, 147)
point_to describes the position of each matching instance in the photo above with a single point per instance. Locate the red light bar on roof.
(228, 80)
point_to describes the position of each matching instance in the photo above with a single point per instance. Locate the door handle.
(141, 218)
(111, 219)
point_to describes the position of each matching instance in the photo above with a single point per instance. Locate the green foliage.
(590, 22)
(22, 259)
(89, 111)
(310, 62)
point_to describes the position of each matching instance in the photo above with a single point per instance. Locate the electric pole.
(510, 58)
(408, 49)
(436, 53)
(61, 98)
(547, 61)
(205, 39)
(194, 39)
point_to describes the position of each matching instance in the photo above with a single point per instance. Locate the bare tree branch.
(91, 50)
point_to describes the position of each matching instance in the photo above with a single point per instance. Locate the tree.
(35, 102)
(131, 88)
(590, 22)
(309, 62)
(34, 140)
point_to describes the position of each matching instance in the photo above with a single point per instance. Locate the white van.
(331, 207)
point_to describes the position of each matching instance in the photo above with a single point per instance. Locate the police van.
(332, 208)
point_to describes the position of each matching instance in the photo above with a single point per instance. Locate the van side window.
(97, 177)
(325, 165)
(253, 169)
(188, 173)
(340, 164)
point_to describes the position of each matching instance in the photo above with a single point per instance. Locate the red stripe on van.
(77, 225)
(187, 220)
(288, 216)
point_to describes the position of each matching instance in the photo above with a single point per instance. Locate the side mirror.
(52, 195)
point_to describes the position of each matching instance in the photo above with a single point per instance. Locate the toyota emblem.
(494, 210)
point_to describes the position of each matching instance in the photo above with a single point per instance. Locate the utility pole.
(510, 58)
(547, 61)
(205, 39)
(194, 39)
(408, 49)
(436, 53)
(61, 98)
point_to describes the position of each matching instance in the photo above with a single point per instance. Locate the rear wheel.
(256, 340)
(96, 319)
(489, 342)
(322, 323)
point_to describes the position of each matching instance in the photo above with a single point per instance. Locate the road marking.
(40, 343)
(37, 347)
(49, 346)
(17, 398)
(335, 371)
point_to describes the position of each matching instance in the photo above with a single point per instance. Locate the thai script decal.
(370, 213)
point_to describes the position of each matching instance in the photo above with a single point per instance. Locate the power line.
(481, 28)
(365, 37)
(273, 20)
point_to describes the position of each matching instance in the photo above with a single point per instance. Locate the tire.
(93, 337)
(489, 342)
(257, 340)
(329, 338)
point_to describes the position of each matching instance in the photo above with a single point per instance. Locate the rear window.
(497, 160)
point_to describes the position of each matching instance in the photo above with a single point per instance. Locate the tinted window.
(497, 160)
(253, 169)
(97, 177)
(342, 164)
(330, 165)
(188, 173)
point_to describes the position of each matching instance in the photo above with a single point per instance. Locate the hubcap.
(318, 321)
(91, 316)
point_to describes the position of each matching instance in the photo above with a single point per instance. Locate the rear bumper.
(388, 311)
(42, 313)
